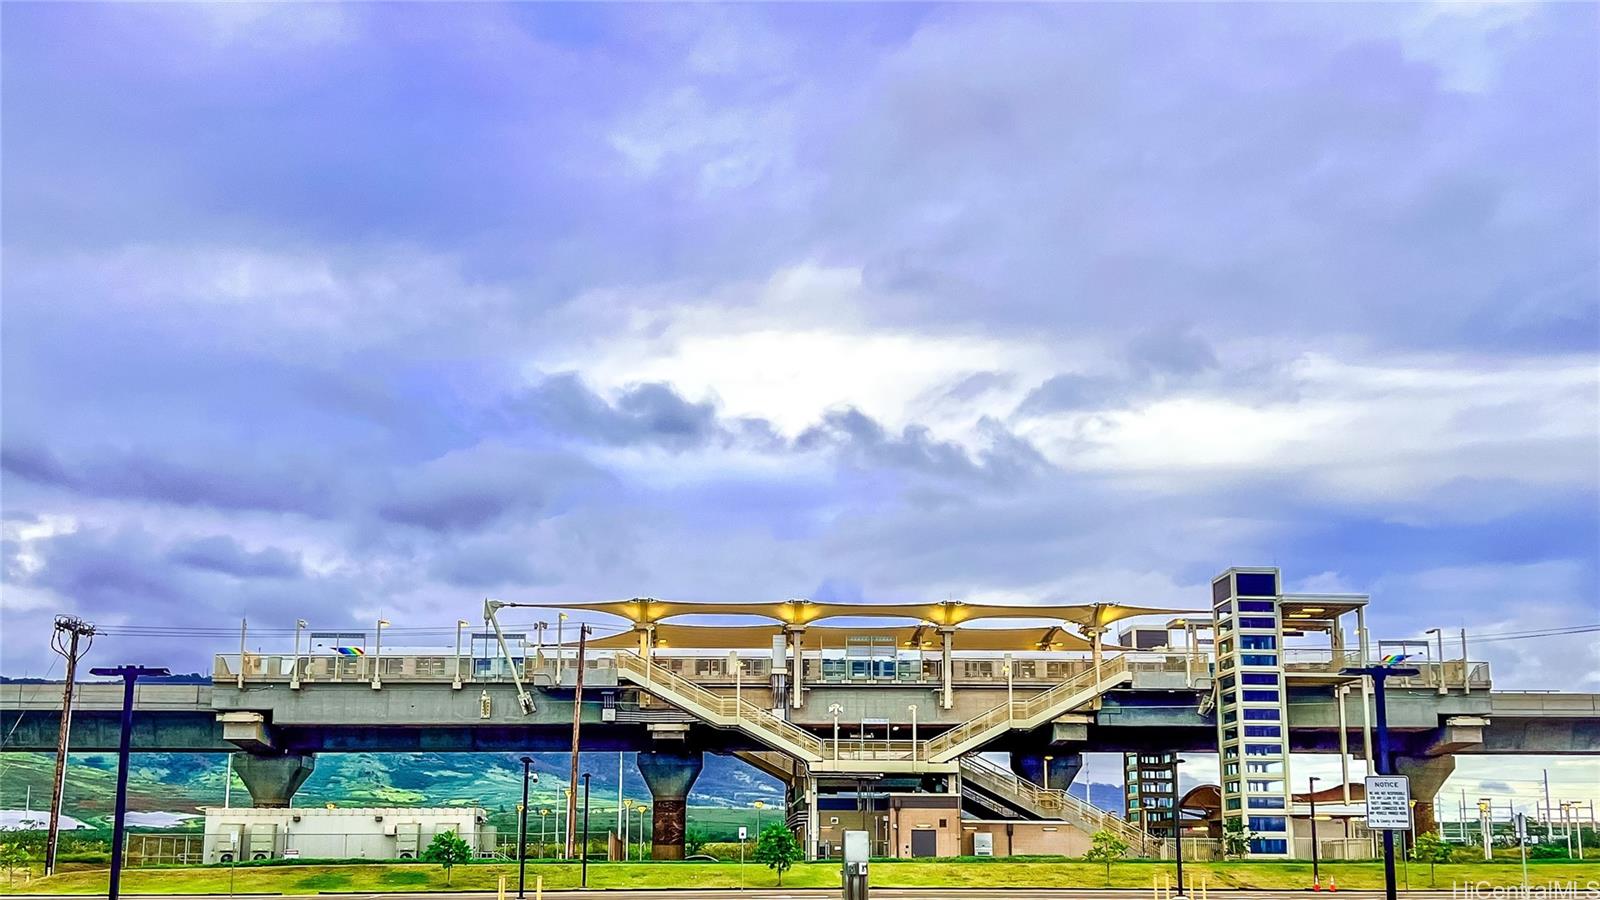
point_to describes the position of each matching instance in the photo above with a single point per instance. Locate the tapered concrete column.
(669, 774)
(1064, 768)
(1428, 775)
(272, 780)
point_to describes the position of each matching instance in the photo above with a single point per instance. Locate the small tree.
(1431, 849)
(1236, 838)
(778, 849)
(13, 856)
(694, 841)
(447, 850)
(1108, 847)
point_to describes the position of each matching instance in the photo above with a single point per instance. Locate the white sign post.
(1388, 803)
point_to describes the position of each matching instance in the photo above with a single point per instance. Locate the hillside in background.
(188, 782)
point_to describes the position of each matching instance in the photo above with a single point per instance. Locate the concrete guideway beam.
(669, 774)
(272, 780)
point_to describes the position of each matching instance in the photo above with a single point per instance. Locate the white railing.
(719, 708)
(1029, 709)
(1048, 802)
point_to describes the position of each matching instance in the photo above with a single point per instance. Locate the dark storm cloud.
(220, 553)
(641, 414)
(860, 440)
(275, 276)
(227, 484)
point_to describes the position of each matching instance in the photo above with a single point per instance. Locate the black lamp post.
(1177, 821)
(1379, 674)
(129, 675)
(1316, 873)
(522, 833)
(583, 849)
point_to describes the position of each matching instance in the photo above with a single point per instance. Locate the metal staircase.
(1026, 713)
(727, 712)
(1038, 802)
(939, 753)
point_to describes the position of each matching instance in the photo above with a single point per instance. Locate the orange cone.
(1316, 885)
(1333, 886)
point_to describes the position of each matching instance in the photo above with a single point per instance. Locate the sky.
(348, 312)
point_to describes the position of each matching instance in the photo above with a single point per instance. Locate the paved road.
(820, 894)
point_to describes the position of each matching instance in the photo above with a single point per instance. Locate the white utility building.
(248, 833)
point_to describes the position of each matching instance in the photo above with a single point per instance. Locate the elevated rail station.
(874, 717)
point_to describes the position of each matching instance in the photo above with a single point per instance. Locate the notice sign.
(742, 834)
(1388, 803)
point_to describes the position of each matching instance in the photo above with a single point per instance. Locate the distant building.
(247, 833)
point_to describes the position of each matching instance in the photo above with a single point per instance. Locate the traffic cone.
(1333, 886)
(1316, 885)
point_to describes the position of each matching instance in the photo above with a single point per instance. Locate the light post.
(913, 708)
(130, 676)
(835, 709)
(1379, 674)
(455, 683)
(1566, 824)
(1047, 760)
(638, 807)
(759, 805)
(1439, 672)
(377, 656)
(561, 657)
(1316, 872)
(1177, 824)
(294, 671)
(583, 848)
(542, 814)
(1486, 825)
(627, 825)
(528, 775)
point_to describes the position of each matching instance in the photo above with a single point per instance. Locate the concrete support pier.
(669, 774)
(1064, 768)
(272, 780)
(1427, 774)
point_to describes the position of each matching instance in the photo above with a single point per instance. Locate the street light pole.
(1316, 872)
(836, 709)
(455, 682)
(522, 833)
(294, 670)
(1379, 674)
(583, 852)
(377, 656)
(130, 676)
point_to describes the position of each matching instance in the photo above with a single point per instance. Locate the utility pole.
(65, 641)
(577, 723)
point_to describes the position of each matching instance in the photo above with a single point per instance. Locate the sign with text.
(1389, 803)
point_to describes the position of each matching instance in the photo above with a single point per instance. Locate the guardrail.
(727, 710)
(1049, 801)
(1024, 709)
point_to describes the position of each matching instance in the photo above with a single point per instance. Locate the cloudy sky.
(340, 312)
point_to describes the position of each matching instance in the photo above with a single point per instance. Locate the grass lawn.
(313, 878)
